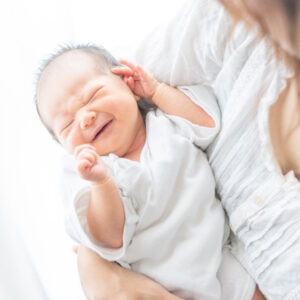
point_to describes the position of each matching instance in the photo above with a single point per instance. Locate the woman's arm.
(101, 279)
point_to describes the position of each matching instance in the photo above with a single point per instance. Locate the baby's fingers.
(79, 148)
(130, 82)
(84, 168)
(143, 75)
(136, 71)
(127, 63)
(89, 155)
(122, 71)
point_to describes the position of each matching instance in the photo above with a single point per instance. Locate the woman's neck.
(285, 129)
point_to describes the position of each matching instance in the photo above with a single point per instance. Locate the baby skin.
(94, 113)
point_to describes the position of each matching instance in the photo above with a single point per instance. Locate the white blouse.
(263, 205)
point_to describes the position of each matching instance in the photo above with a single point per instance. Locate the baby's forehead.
(67, 69)
(75, 59)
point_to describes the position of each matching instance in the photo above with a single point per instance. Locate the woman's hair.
(279, 20)
(104, 62)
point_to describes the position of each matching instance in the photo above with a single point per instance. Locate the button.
(258, 201)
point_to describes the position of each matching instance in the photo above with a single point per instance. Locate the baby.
(147, 200)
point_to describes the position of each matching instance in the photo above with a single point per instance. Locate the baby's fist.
(89, 164)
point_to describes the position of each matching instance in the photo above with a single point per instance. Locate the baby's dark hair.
(104, 60)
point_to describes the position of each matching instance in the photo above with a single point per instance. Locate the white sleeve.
(76, 197)
(189, 48)
(201, 136)
(195, 45)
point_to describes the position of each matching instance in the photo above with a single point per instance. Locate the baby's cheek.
(73, 140)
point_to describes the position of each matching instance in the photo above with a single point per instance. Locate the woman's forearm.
(102, 279)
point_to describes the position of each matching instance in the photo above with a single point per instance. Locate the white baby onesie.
(174, 228)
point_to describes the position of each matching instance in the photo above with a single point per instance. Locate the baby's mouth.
(102, 129)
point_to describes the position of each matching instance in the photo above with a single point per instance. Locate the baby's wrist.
(102, 182)
(158, 91)
(155, 86)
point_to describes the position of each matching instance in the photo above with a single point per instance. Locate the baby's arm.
(169, 99)
(105, 215)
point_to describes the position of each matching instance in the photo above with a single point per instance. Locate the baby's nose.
(87, 119)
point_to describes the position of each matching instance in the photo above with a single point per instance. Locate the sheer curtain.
(36, 261)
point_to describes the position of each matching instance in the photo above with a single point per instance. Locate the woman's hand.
(139, 81)
(101, 279)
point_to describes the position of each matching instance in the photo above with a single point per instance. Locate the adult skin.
(280, 20)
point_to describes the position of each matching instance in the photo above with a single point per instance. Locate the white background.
(36, 261)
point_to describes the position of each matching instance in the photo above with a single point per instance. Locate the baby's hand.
(139, 81)
(90, 166)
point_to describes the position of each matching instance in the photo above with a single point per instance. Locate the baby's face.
(83, 106)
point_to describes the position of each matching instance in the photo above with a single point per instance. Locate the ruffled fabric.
(263, 204)
(268, 242)
(275, 89)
